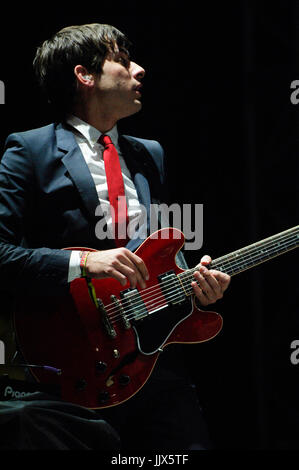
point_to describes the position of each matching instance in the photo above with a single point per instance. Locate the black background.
(218, 75)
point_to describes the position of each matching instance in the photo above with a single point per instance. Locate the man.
(54, 184)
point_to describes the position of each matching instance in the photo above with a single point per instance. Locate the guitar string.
(150, 307)
(231, 266)
(262, 244)
(186, 285)
(227, 259)
(184, 273)
(258, 245)
(161, 302)
(234, 262)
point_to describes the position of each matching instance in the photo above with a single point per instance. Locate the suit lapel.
(78, 170)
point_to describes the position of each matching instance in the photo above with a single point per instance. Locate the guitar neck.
(251, 255)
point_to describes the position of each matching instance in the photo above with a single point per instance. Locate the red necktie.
(116, 190)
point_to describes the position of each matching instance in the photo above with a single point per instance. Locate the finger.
(208, 284)
(205, 260)
(199, 293)
(133, 267)
(126, 268)
(139, 264)
(211, 282)
(115, 274)
(223, 279)
(204, 286)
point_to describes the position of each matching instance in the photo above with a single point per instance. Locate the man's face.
(118, 88)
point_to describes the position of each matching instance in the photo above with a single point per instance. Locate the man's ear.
(83, 76)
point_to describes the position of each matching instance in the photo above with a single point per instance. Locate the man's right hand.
(119, 263)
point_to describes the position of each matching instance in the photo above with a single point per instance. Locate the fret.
(249, 256)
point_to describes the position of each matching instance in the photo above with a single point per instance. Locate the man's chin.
(133, 109)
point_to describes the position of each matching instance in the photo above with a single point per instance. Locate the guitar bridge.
(106, 322)
(120, 309)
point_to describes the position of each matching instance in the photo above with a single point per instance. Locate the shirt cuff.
(74, 266)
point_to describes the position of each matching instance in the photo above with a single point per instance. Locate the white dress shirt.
(87, 138)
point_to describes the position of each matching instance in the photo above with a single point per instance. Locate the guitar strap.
(91, 291)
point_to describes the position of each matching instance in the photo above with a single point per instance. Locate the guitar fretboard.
(250, 256)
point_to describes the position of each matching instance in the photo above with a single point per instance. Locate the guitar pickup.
(172, 288)
(133, 305)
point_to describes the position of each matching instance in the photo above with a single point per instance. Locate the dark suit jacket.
(48, 202)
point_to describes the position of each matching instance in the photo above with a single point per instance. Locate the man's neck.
(101, 121)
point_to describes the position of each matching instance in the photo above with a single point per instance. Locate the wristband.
(83, 259)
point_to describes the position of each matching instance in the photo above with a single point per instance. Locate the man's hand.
(210, 284)
(119, 263)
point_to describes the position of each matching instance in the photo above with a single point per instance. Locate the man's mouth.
(138, 88)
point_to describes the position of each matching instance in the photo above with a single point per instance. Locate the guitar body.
(107, 354)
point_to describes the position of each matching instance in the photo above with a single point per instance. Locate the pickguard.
(153, 330)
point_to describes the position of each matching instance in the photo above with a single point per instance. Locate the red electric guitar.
(100, 343)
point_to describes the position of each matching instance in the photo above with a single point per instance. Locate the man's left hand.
(209, 285)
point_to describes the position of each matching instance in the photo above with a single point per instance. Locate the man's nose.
(137, 71)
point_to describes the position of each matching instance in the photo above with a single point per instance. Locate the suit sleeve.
(22, 269)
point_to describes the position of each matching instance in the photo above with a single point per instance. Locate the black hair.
(86, 45)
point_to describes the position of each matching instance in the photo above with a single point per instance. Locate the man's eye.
(124, 61)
